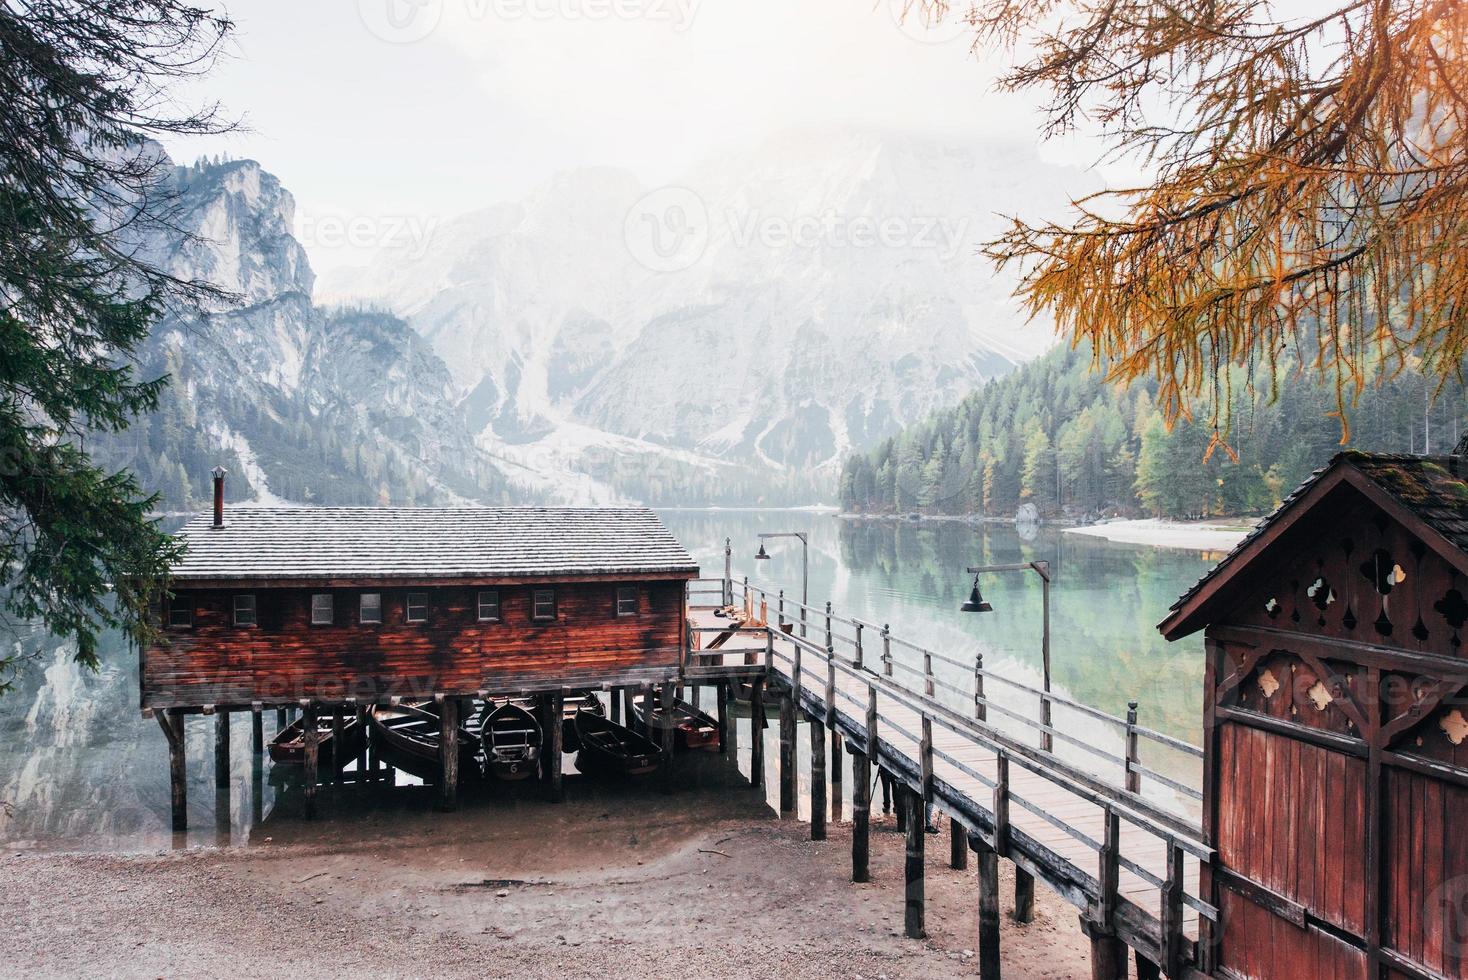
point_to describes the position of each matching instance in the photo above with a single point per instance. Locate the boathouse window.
(369, 609)
(544, 606)
(417, 607)
(244, 610)
(626, 600)
(489, 607)
(180, 612)
(321, 609)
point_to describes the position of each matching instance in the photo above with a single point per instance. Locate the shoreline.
(1221, 536)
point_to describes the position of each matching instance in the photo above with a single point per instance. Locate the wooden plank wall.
(285, 658)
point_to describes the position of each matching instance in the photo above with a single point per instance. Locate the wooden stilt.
(901, 801)
(916, 840)
(886, 789)
(221, 749)
(957, 845)
(988, 862)
(731, 723)
(257, 730)
(817, 780)
(554, 750)
(757, 733)
(338, 723)
(1108, 956)
(311, 739)
(173, 730)
(838, 750)
(723, 718)
(667, 737)
(861, 813)
(280, 719)
(448, 753)
(630, 719)
(1024, 895)
(362, 752)
(1146, 969)
(787, 753)
(616, 705)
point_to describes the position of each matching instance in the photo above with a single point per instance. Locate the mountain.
(298, 402)
(733, 336)
(998, 449)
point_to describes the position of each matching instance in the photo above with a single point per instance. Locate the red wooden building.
(279, 604)
(1336, 768)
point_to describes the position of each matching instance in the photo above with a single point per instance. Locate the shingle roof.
(1429, 486)
(413, 542)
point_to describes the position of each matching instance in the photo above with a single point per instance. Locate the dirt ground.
(617, 881)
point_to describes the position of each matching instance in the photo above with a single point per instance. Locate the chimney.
(219, 472)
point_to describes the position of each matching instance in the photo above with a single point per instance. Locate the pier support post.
(861, 813)
(257, 730)
(173, 730)
(817, 780)
(221, 749)
(553, 749)
(731, 724)
(616, 705)
(280, 720)
(913, 924)
(886, 781)
(1024, 895)
(627, 709)
(901, 808)
(311, 742)
(838, 749)
(667, 735)
(787, 753)
(987, 860)
(757, 732)
(1146, 969)
(957, 845)
(338, 724)
(722, 693)
(1108, 954)
(448, 752)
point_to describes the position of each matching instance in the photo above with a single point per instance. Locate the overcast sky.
(430, 108)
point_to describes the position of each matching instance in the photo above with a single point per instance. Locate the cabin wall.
(1336, 760)
(285, 657)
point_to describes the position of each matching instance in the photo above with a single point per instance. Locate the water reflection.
(79, 764)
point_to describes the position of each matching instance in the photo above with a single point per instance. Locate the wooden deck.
(1131, 867)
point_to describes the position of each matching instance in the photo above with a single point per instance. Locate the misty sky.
(428, 108)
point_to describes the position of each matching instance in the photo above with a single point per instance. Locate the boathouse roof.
(354, 543)
(1428, 494)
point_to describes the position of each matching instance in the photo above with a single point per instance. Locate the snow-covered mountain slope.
(300, 403)
(754, 321)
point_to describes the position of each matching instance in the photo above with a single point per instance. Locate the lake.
(79, 766)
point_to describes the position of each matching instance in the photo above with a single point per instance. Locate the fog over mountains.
(727, 339)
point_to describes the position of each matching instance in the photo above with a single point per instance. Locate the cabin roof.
(1426, 492)
(314, 543)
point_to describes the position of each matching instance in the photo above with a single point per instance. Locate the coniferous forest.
(1056, 435)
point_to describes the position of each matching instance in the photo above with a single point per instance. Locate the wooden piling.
(838, 750)
(901, 805)
(957, 845)
(630, 716)
(221, 749)
(861, 811)
(1024, 895)
(913, 924)
(1146, 969)
(731, 723)
(616, 705)
(1108, 956)
(817, 779)
(553, 749)
(338, 723)
(721, 693)
(787, 753)
(667, 736)
(311, 739)
(987, 860)
(173, 730)
(448, 752)
(886, 781)
(757, 732)
(257, 730)
(280, 720)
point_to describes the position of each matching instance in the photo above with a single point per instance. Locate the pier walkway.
(1129, 861)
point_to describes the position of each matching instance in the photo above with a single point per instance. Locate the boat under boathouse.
(334, 610)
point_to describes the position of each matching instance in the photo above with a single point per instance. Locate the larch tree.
(83, 87)
(1306, 188)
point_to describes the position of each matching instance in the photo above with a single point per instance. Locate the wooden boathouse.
(336, 609)
(1335, 766)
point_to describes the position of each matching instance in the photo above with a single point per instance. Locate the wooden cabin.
(1336, 766)
(279, 605)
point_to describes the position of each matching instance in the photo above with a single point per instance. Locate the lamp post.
(763, 555)
(976, 604)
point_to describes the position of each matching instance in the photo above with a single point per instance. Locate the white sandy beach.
(1194, 536)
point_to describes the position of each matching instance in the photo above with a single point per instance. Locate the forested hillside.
(1055, 435)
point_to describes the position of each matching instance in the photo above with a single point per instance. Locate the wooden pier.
(1129, 865)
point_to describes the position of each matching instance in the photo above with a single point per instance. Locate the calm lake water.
(80, 767)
